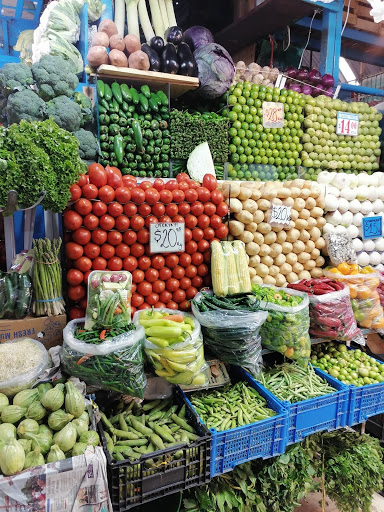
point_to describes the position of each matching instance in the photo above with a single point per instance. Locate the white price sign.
(347, 124)
(280, 214)
(273, 114)
(167, 237)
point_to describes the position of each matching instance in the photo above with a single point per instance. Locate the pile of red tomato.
(107, 227)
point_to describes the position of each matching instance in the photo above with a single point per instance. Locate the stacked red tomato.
(108, 224)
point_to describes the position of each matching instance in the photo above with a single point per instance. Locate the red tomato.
(217, 196)
(203, 246)
(171, 209)
(203, 221)
(197, 282)
(72, 220)
(190, 221)
(202, 270)
(171, 260)
(91, 250)
(191, 292)
(137, 300)
(178, 272)
(197, 234)
(106, 194)
(138, 276)
(184, 305)
(172, 305)
(137, 195)
(171, 185)
(81, 236)
(107, 251)
(209, 209)
(191, 247)
(76, 313)
(197, 259)
(115, 263)
(191, 270)
(166, 196)
(83, 180)
(187, 235)
(151, 275)
(99, 264)
(152, 196)
(215, 221)
(165, 218)
(90, 191)
(159, 305)
(152, 299)
(209, 182)
(122, 250)
(137, 250)
(165, 273)
(86, 276)
(144, 185)
(143, 236)
(90, 221)
(178, 196)
(97, 175)
(185, 283)
(184, 209)
(129, 182)
(178, 218)
(178, 296)
(158, 262)
(221, 232)
(122, 223)
(129, 263)
(107, 222)
(222, 209)
(144, 262)
(182, 176)
(83, 303)
(122, 195)
(184, 186)
(133, 311)
(129, 237)
(75, 191)
(113, 179)
(145, 306)
(137, 222)
(209, 233)
(99, 236)
(190, 195)
(114, 238)
(165, 296)
(172, 284)
(144, 210)
(203, 194)
(74, 277)
(99, 208)
(158, 210)
(159, 184)
(184, 260)
(197, 208)
(150, 220)
(144, 288)
(158, 286)
(73, 251)
(130, 209)
(115, 209)
(76, 293)
(84, 264)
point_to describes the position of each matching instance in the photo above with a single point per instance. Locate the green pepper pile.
(134, 134)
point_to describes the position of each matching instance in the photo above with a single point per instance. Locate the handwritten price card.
(273, 115)
(347, 124)
(372, 227)
(167, 237)
(280, 214)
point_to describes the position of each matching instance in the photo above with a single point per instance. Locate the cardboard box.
(47, 329)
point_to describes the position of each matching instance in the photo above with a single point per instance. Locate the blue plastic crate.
(263, 439)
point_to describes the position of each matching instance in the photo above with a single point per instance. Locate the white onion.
(354, 182)
(357, 244)
(358, 219)
(353, 231)
(348, 193)
(325, 177)
(368, 245)
(362, 193)
(375, 258)
(346, 219)
(366, 207)
(343, 205)
(333, 191)
(363, 259)
(374, 180)
(340, 181)
(331, 203)
(363, 178)
(382, 258)
(334, 218)
(373, 193)
(378, 206)
(354, 206)
(340, 230)
(379, 244)
(328, 228)
(381, 192)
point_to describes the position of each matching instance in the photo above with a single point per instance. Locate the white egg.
(379, 244)
(333, 191)
(353, 181)
(341, 180)
(331, 203)
(354, 206)
(348, 193)
(358, 219)
(328, 228)
(363, 178)
(378, 206)
(374, 258)
(368, 245)
(357, 244)
(373, 193)
(343, 205)
(366, 207)
(381, 191)
(362, 193)
(353, 231)
(340, 230)
(363, 259)
(346, 219)
(324, 177)
(334, 218)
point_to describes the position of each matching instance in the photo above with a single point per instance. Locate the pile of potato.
(278, 254)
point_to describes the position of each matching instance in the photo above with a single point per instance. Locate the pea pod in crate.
(15, 295)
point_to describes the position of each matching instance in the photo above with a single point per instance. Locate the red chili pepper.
(299, 287)
(319, 290)
(102, 334)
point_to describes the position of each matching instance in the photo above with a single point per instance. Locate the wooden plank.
(246, 54)
(178, 84)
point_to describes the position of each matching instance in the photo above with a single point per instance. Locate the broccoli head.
(88, 146)
(66, 113)
(54, 76)
(86, 107)
(25, 104)
(14, 77)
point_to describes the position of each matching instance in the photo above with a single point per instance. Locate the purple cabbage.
(215, 70)
(197, 36)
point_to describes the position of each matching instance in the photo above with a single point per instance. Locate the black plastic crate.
(132, 483)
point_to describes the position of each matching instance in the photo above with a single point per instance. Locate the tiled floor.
(311, 504)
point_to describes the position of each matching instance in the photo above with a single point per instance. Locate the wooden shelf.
(178, 84)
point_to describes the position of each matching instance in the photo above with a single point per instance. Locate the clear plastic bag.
(340, 248)
(233, 336)
(109, 299)
(364, 297)
(229, 268)
(380, 288)
(286, 328)
(15, 295)
(180, 363)
(331, 316)
(18, 356)
(116, 364)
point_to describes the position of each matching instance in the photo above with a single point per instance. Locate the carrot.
(84, 358)
(117, 311)
(174, 318)
(102, 334)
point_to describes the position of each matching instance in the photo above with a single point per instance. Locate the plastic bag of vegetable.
(287, 324)
(116, 364)
(233, 335)
(15, 295)
(174, 346)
